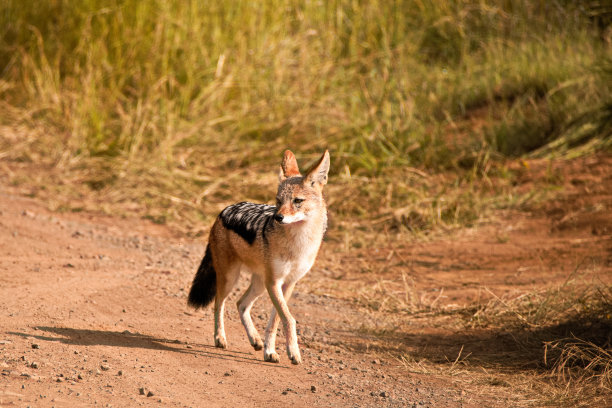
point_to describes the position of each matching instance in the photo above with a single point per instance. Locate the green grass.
(168, 103)
(172, 110)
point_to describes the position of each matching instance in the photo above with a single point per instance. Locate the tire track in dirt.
(93, 312)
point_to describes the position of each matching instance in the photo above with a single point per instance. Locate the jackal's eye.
(298, 200)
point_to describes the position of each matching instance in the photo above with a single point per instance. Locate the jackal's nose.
(278, 217)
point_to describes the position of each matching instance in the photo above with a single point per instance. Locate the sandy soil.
(93, 308)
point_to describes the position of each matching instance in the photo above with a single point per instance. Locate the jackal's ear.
(288, 167)
(317, 174)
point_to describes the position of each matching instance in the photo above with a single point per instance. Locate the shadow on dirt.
(519, 349)
(84, 337)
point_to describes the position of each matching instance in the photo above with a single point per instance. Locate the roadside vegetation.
(170, 110)
(552, 345)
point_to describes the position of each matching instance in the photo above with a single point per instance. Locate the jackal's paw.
(271, 357)
(293, 352)
(221, 343)
(295, 358)
(257, 344)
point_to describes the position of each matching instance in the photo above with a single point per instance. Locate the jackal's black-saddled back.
(204, 286)
(247, 219)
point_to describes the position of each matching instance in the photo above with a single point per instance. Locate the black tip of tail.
(204, 286)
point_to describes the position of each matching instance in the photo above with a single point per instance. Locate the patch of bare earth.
(93, 312)
(427, 303)
(93, 309)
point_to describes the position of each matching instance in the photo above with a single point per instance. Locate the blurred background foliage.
(174, 109)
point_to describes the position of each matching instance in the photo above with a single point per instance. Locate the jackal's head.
(300, 197)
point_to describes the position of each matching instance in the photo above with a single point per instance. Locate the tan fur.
(277, 262)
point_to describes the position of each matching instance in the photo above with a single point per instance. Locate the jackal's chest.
(296, 259)
(292, 270)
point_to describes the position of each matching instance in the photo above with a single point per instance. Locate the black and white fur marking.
(246, 219)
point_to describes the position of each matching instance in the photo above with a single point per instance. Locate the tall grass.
(122, 89)
(173, 109)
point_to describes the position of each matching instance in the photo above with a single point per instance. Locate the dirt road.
(93, 311)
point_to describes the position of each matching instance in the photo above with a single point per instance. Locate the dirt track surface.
(93, 310)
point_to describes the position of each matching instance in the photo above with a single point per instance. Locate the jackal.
(276, 244)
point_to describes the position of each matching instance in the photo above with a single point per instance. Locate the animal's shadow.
(88, 337)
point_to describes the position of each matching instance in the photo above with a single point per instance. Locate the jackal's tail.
(204, 286)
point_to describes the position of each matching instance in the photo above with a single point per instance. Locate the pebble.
(384, 394)
(313, 388)
(150, 394)
(34, 364)
(35, 346)
(141, 390)
(105, 367)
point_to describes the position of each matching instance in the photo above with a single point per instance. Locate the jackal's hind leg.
(244, 309)
(220, 340)
(225, 284)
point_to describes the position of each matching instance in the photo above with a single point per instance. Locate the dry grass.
(170, 110)
(157, 109)
(551, 346)
(576, 360)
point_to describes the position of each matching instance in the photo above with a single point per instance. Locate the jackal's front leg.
(280, 296)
